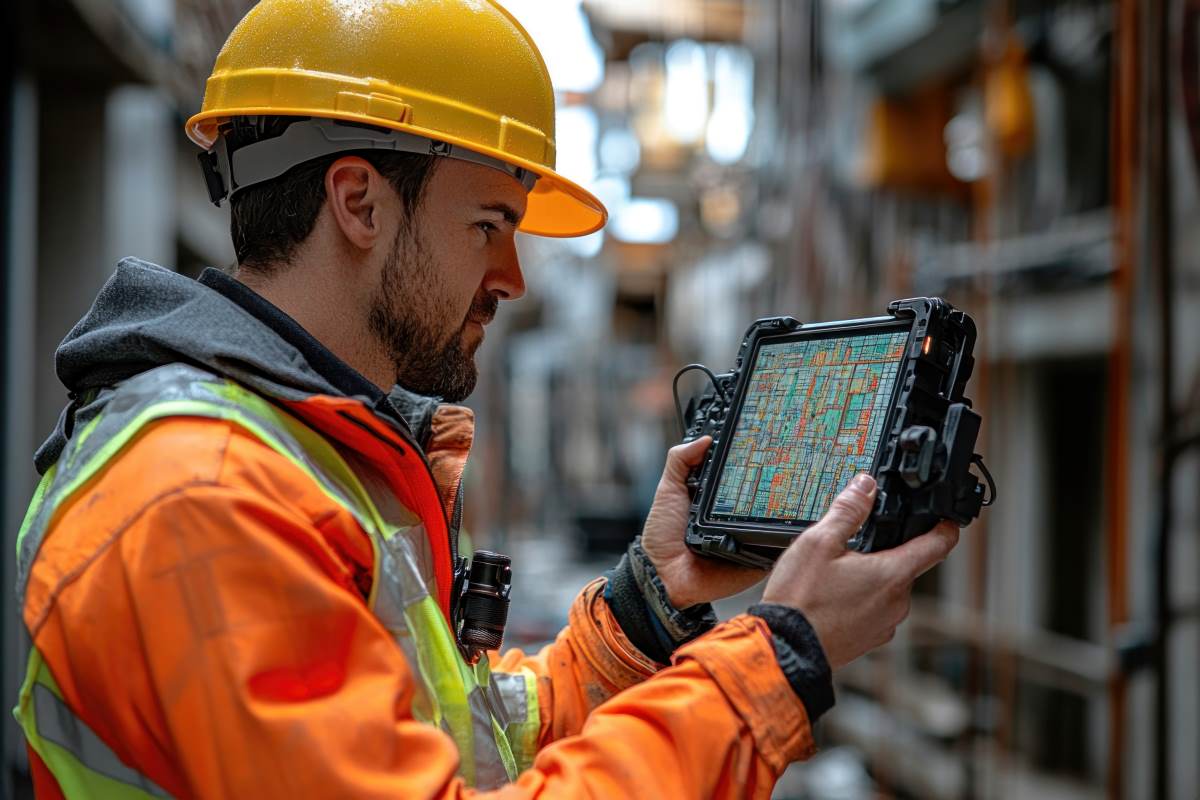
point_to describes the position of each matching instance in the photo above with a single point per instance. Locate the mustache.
(483, 309)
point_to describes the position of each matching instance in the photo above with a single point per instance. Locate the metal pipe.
(1161, 210)
(1124, 154)
(1189, 85)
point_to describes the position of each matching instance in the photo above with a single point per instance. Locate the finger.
(682, 457)
(918, 555)
(847, 513)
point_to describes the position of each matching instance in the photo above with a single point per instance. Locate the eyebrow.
(510, 214)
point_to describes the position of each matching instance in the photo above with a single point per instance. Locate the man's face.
(447, 270)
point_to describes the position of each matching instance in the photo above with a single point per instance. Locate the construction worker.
(237, 569)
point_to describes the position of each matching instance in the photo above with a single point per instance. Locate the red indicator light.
(928, 342)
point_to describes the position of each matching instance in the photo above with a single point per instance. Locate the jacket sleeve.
(590, 660)
(273, 679)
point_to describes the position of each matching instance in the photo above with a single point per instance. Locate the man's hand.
(854, 601)
(689, 579)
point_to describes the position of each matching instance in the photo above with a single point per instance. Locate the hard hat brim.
(557, 206)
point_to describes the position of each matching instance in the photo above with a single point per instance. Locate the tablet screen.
(812, 417)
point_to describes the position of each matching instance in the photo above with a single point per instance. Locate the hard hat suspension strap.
(226, 172)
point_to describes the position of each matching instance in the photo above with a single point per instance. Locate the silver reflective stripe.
(489, 766)
(398, 588)
(58, 724)
(511, 701)
(400, 585)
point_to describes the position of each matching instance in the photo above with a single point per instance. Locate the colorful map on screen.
(812, 417)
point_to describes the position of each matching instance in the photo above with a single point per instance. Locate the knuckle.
(846, 504)
(840, 502)
(839, 521)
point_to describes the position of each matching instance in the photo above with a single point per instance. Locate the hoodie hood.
(147, 316)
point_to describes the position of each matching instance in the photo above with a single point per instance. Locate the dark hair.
(269, 220)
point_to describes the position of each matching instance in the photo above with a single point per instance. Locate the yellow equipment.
(456, 78)
(1008, 101)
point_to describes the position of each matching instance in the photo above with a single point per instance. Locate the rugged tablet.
(806, 407)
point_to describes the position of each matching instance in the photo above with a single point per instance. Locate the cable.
(991, 498)
(675, 391)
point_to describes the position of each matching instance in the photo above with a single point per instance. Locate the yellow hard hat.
(457, 78)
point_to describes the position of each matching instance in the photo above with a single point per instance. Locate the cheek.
(457, 275)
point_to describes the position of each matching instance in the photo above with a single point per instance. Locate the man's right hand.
(853, 601)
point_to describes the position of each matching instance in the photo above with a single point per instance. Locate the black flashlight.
(483, 605)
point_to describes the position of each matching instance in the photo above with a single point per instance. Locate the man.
(237, 569)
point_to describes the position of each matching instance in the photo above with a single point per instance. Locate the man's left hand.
(690, 579)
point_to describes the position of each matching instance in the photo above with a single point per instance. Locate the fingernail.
(864, 483)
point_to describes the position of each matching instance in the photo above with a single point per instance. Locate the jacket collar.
(146, 316)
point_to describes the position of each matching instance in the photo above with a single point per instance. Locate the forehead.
(461, 183)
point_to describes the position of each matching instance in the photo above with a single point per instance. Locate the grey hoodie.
(147, 316)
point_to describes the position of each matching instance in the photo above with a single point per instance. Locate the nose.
(505, 279)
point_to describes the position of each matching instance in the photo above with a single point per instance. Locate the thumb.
(682, 457)
(920, 554)
(847, 513)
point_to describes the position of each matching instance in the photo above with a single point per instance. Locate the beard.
(432, 357)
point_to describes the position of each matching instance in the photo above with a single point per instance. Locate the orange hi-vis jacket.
(204, 614)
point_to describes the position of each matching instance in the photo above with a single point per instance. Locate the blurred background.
(1033, 162)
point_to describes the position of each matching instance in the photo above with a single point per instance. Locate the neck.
(330, 311)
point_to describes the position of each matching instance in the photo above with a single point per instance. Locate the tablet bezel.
(758, 530)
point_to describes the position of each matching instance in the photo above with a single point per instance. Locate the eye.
(487, 227)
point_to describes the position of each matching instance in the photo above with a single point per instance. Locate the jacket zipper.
(456, 523)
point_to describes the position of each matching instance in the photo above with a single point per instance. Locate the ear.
(352, 190)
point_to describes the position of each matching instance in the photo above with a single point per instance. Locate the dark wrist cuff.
(800, 656)
(638, 599)
(678, 625)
